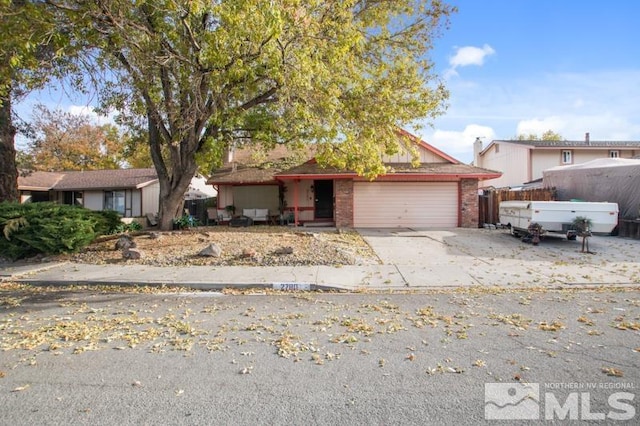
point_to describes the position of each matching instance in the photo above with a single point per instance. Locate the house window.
(73, 198)
(114, 200)
(566, 157)
(614, 154)
(497, 148)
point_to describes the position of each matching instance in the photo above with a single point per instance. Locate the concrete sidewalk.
(411, 260)
(349, 278)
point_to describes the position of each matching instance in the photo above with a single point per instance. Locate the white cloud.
(459, 144)
(90, 112)
(470, 55)
(538, 126)
(606, 126)
(603, 103)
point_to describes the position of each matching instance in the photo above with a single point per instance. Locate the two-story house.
(522, 161)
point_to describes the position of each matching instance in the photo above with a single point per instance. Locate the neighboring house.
(524, 161)
(130, 192)
(441, 192)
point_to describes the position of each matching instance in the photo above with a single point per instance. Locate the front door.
(323, 191)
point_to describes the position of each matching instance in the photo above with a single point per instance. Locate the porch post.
(295, 201)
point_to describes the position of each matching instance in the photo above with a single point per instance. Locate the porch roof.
(399, 171)
(242, 175)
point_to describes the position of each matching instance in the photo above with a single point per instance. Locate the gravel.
(254, 246)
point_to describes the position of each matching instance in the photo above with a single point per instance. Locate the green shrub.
(186, 221)
(48, 228)
(126, 227)
(109, 221)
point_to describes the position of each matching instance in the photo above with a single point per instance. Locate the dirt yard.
(254, 246)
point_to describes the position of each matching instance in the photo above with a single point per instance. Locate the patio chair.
(212, 216)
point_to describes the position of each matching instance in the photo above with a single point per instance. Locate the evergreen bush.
(48, 228)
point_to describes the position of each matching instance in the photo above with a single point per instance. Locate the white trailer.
(557, 216)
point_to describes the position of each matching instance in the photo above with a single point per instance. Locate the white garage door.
(405, 204)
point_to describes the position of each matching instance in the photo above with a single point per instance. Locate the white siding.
(150, 199)
(136, 203)
(425, 156)
(510, 159)
(93, 200)
(405, 204)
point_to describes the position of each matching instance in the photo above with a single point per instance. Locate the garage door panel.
(406, 204)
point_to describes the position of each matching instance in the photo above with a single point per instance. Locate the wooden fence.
(489, 201)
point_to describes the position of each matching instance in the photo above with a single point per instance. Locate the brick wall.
(469, 203)
(344, 203)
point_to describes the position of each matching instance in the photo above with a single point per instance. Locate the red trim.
(300, 209)
(295, 202)
(396, 176)
(316, 176)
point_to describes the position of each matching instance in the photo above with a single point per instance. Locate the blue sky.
(526, 66)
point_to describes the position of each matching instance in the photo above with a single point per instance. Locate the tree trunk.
(8, 171)
(171, 205)
(174, 181)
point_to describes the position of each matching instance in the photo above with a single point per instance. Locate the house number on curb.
(292, 286)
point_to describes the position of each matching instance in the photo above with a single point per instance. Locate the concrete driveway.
(455, 257)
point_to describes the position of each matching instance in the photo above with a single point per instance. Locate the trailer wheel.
(572, 236)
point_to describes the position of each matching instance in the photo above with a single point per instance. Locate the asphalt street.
(94, 357)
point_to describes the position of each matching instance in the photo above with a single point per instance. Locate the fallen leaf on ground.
(21, 388)
(554, 326)
(614, 372)
(626, 325)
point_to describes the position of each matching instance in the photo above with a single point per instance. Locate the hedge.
(48, 228)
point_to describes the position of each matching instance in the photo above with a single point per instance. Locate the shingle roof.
(574, 144)
(242, 174)
(38, 181)
(249, 167)
(397, 169)
(91, 179)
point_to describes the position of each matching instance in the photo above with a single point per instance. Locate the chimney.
(477, 148)
(586, 138)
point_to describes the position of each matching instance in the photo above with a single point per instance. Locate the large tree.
(65, 141)
(549, 135)
(33, 48)
(202, 75)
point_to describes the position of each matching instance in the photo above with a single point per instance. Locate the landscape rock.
(212, 250)
(132, 254)
(284, 250)
(154, 235)
(249, 252)
(260, 242)
(125, 242)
